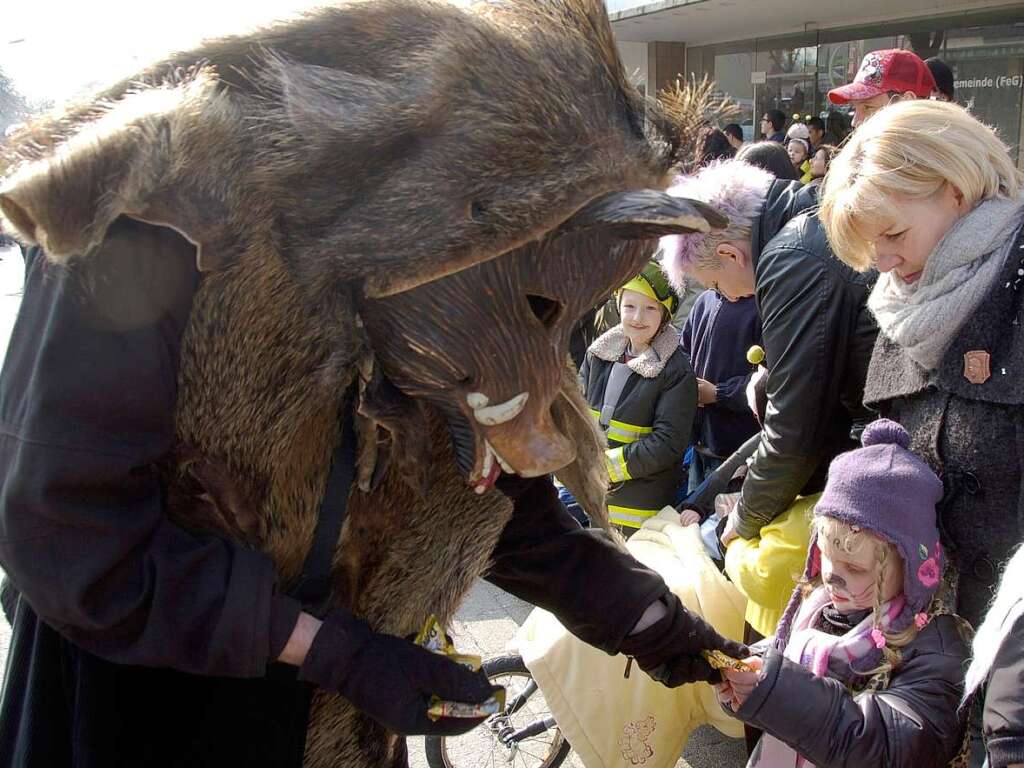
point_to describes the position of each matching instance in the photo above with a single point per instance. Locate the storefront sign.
(1002, 81)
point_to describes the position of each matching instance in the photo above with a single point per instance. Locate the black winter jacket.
(818, 337)
(650, 426)
(971, 434)
(910, 724)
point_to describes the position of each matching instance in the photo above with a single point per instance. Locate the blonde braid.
(891, 656)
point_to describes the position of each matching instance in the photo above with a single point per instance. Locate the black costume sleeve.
(594, 587)
(87, 398)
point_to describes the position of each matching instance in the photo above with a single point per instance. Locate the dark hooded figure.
(289, 375)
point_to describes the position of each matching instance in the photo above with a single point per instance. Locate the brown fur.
(319, 167)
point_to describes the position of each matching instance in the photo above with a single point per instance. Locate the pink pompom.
(878, 638)
(921, 620)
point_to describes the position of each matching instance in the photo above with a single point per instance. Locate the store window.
(795, 74)
(732, 74)
(988, 73)
(789, 74)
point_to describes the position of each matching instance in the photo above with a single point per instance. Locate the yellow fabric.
(629, 517)
(766, 568)
(623, 432)
(618, 472)
(614, 722)
(805, 167)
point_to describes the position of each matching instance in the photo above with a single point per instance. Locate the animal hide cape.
(413, 201)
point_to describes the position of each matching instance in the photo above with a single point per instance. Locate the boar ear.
(140, 157)
(645, 213)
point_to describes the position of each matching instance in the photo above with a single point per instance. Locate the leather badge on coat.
(976, 366)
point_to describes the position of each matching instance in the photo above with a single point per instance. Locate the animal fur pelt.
(400, 207)
(695, 106)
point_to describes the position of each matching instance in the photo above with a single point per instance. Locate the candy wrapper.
(719, 660)
(440, 708)
(433, 638)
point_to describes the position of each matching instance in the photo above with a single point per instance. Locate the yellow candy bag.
(433, 638)
(719, 660)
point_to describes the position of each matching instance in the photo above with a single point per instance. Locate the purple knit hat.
(885, 489)
(734, 188)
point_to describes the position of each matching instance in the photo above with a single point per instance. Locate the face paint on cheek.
(835, 581)
(863, 597)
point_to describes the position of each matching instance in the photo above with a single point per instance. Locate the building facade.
(787, 54)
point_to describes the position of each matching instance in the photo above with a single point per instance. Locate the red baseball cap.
(892, 71)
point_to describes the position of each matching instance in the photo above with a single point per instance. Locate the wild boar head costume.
(402, 203)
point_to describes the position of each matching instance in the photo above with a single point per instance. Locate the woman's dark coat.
(967, 421)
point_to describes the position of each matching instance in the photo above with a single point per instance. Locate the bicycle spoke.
(483, 748)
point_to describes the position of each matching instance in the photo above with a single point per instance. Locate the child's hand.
(724, 691)
(740, 684)
(689, 517)
(706, 393)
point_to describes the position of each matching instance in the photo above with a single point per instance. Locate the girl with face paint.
(864, 615)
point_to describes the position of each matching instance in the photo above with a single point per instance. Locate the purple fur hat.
(887, 490)
(733, 188)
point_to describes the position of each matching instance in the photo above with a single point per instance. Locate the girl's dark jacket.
(650, 426)
(967, 421)
(136, 642)
(911, 723)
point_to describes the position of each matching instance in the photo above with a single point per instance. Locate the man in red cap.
(884, 77)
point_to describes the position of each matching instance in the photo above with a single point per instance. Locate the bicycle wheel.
(494, 744)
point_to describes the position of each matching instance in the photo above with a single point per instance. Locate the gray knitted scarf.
(923, 318)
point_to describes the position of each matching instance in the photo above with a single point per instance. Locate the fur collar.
(998, 624)
(651, 363)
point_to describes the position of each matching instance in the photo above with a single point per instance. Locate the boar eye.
(478, 209)
(544, 309)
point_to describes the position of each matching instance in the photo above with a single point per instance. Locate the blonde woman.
(930, 197)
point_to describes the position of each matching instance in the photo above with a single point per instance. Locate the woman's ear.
(962, 204)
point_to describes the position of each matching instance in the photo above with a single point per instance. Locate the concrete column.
(665, 62)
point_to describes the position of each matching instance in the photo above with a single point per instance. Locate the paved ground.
(484, 626)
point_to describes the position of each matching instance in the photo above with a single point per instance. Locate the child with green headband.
(643, 393)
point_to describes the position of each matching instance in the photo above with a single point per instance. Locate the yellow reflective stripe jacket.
(631, 518)
(618, 472)
(652, 419)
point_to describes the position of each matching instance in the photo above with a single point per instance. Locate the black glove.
(670, 649)
(391, 679)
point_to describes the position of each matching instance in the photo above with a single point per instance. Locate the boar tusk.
(499, 414)
(477, 400)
